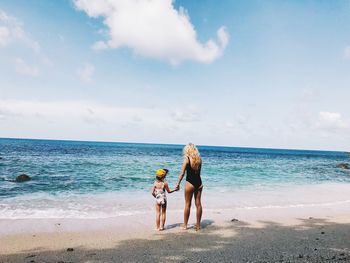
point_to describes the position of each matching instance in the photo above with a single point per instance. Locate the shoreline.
(19, 235)
(236, 227)
(124, 204)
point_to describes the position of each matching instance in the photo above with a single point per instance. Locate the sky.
(271, 74)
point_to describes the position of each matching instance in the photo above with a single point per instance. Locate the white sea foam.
(108, 205)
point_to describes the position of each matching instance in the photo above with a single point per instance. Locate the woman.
(192, 165)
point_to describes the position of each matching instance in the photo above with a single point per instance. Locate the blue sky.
(273, 74)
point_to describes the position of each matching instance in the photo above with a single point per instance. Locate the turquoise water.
(59, 167)
(73, 179)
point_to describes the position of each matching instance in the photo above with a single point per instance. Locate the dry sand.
(267, 235)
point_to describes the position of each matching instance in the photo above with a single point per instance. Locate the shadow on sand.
(204, 224)
(313, 240)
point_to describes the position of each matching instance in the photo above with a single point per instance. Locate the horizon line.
(171, 144)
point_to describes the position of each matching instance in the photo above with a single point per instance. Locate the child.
(158, 191)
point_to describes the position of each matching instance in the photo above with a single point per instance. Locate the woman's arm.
(182, 173)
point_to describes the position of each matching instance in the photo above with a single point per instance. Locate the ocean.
(104, 179)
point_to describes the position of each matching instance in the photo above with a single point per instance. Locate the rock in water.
(22, 178)
(343, 166)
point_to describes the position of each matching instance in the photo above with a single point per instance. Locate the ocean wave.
(59, 213)
(130, 203)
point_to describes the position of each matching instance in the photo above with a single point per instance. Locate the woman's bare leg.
(163, 217)
(198, 202)
(188, 199)
(157, 216)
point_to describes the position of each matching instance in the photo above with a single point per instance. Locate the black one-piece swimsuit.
(193, 176)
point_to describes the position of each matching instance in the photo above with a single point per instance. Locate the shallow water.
(98, 179)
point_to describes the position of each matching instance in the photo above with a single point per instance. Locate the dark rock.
(1, 158)
(300, 256)
(311, 217)
(317, 238)
(22, 178)
(322, 233)
(70, 249)
(342, 254)
(30, 256)
(234, 220)
(343, 166)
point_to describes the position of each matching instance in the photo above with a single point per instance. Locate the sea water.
(75, 179)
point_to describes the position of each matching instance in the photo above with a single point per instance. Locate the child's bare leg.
(163, 216)
(157, 216)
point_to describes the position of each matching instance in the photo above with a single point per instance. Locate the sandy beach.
(117, 113)
(260, 235)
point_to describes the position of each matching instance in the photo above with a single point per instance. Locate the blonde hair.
(191, 151)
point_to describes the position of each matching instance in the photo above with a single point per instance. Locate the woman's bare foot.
(198, 227)
(183, 227)
(161, 228)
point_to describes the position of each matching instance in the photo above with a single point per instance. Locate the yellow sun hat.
(160, 173)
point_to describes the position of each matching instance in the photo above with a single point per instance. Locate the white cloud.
(189, 113)
(154, 29)
(13, 34)
(11, 30)
(23, 68)
(309, 95)
(331, 121)
(84, 120)
(4, 36)
(347, 52)
(239, 121)
(87, 120)
(100, 45)
(86, 73)
(72, 109)
(229, 124)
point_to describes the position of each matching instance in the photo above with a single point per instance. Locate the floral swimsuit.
(160, 195)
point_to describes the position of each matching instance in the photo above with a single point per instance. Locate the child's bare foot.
(161, 228)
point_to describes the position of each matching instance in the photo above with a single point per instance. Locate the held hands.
(177, 187)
